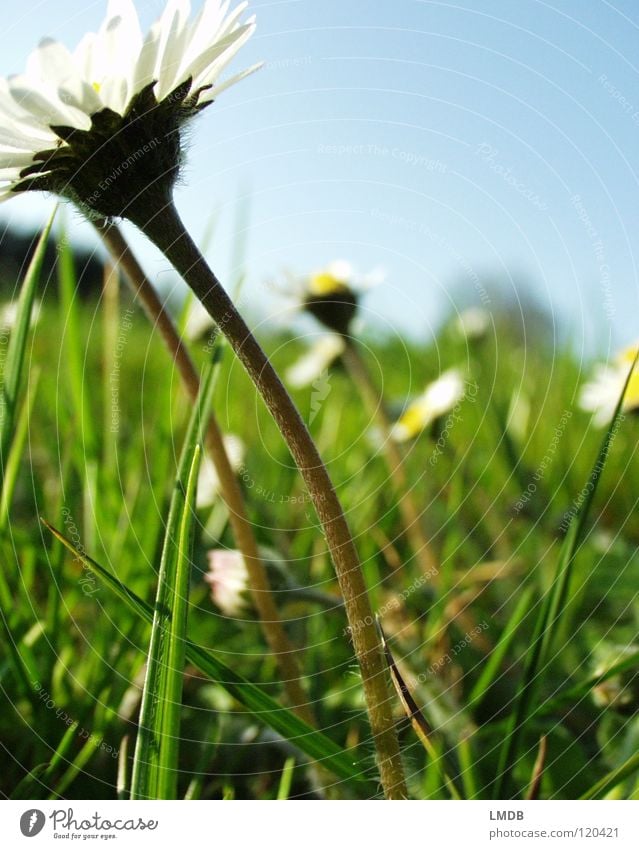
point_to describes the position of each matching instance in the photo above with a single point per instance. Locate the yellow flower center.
(326, 284)
(415, 418)
(627, 358)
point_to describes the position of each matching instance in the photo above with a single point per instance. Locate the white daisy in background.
(208, 485)
(315, 362)
(198, 321)
(331, 294)
(101, 125)
(473, 323)
(9, 314)
(601, 394)
(439, 398)
(228, 579)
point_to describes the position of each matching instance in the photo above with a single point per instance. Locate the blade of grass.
(265, 709)
(63, 748)
(25, 650)
(538, 770)
(154, 773)
(580, 691)
(123, 790)
(286, 779)
(110, 370)
(31, 786)
(15, 451)
(73, 349)
(497, 655)
(14, 361)
(467, 767)
(553, 607)
(613, 778)
(23, 672)
(76, 766)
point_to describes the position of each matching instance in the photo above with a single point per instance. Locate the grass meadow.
(520, 652)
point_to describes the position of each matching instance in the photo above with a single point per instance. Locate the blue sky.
(447, 143)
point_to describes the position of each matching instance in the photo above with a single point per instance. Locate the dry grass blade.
(538, 769)
(417, 718)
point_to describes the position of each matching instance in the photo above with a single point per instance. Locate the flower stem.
(271, 624)
(411, 516)
(166, 230)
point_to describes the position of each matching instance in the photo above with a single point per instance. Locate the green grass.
(510, 651)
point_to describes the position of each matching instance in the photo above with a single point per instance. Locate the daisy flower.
(438, 398)
(102, 125)
(9, 314)
(228, 580)
(601, 394)
(473, 323)
(332, 294)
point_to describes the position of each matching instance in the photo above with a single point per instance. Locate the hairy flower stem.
(271, 624)
(411, 516)
(167, 231)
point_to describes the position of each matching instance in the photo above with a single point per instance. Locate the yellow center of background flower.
(627, 358)
(326, 284)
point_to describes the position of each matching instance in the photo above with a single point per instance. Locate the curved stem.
(166, 230)
(270, 621)
(411, 516)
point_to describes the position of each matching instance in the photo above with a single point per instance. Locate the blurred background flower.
(332, 294)
(600, 395)
(439, 398)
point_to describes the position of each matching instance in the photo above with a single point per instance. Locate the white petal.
(10, 137)
(144, 69)
(173, 35)
(118, 48)
(45, 105)
(126, 11)
(219, 54)
(210, 94)
(340, 269)
(209, 26)
(439, 398)
(315, 361)
(10, 174)
(15, 158)
(84, 56)
(81, 95)
(114, 94)
(51, 63)
(12, 112)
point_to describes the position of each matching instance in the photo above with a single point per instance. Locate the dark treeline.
(16, 250)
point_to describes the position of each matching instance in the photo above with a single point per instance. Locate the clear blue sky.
(442, 141)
